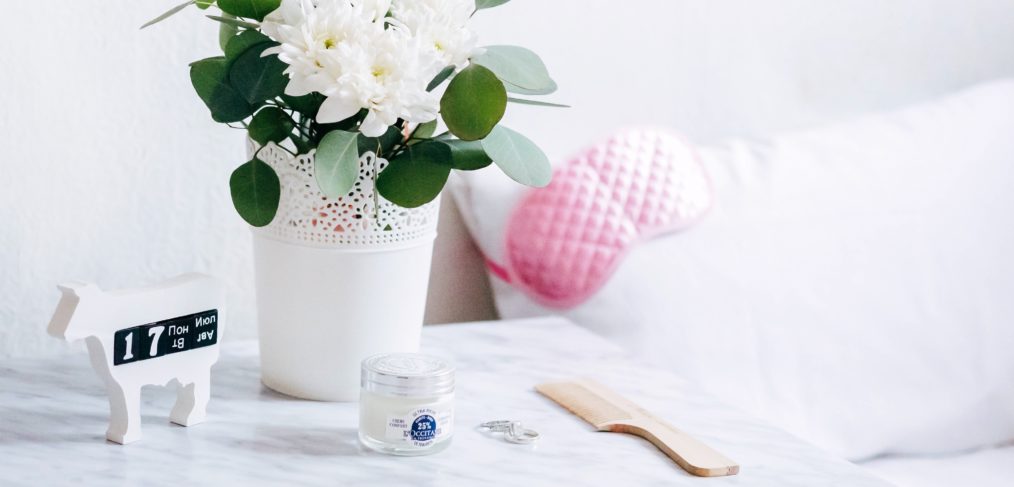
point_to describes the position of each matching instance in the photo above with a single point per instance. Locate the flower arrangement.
(346, 77)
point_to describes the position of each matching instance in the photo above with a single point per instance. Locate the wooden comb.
(608, 411)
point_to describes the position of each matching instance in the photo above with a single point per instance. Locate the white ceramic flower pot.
(322, 311)
(337, 281)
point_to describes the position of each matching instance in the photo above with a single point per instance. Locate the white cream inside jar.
(406, 405)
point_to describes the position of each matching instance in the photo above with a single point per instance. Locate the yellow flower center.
(329, 43)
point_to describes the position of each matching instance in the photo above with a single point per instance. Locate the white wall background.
(113, 172)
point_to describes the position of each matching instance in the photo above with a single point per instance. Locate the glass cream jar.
(406, 405)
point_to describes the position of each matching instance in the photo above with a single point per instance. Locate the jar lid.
(407, 374)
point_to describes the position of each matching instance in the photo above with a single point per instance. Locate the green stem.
(286, 150)
(299, 126)
(376, 192)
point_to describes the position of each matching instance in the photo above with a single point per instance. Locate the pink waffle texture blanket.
(564, 241)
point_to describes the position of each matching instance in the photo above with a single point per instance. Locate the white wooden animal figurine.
(165, 333)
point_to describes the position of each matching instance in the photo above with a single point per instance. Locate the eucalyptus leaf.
(226, 33)
(204, 4)
(518, 157)
(518, 66)
(523, 101)
(484, 4)
(336, 165)
(417, 175)
(425, 130)
(258, 78)
(467, 155)
(270, 124)
(474, 103)
(169, 13)
(525, 91)
(233, 21)
(210, 80)
(249, 9)
(256, 192)
(244, 41)
(440, 78)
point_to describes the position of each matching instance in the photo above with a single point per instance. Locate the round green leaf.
(467, 155)
(271, 124)
(258, 78)
(474, 103)
(425, 130)
(417, 176)
(306, 104)
(241, 43)
(518, 67)
(226, 33)
(336, 165)
(256, 192)
(249, 9)
(210, 80)
(518, 157)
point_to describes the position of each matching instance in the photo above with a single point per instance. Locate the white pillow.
(854, 284)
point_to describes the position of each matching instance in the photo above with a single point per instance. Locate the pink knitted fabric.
(565, 240)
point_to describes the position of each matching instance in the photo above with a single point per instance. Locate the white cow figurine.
(165, 333)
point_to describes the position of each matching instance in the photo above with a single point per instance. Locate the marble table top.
(53, 415)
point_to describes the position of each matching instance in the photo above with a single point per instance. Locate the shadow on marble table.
(300, 440)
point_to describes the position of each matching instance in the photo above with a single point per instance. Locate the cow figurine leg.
(124, 413)
(192, 401)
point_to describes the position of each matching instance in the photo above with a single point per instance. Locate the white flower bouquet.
(346, 77)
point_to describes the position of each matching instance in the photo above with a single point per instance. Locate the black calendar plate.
(165, 337)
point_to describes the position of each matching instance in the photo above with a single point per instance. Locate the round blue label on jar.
(424, 428)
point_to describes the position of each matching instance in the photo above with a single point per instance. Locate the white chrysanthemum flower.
(305, 32)
(357, 59)
(381, 70)
(442, 26)
(379, 8)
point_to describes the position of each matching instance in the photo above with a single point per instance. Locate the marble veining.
(53, 417)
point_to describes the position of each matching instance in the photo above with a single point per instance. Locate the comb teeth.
(584, 402)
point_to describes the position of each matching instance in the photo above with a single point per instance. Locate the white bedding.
(853, 284)
(990, 467)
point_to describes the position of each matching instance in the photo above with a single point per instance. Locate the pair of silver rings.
(513, 431)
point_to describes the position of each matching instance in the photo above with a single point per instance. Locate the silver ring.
(499, 426)
(514, 431)
(520, 435)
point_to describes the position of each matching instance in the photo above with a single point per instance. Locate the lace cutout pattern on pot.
(362, 218)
